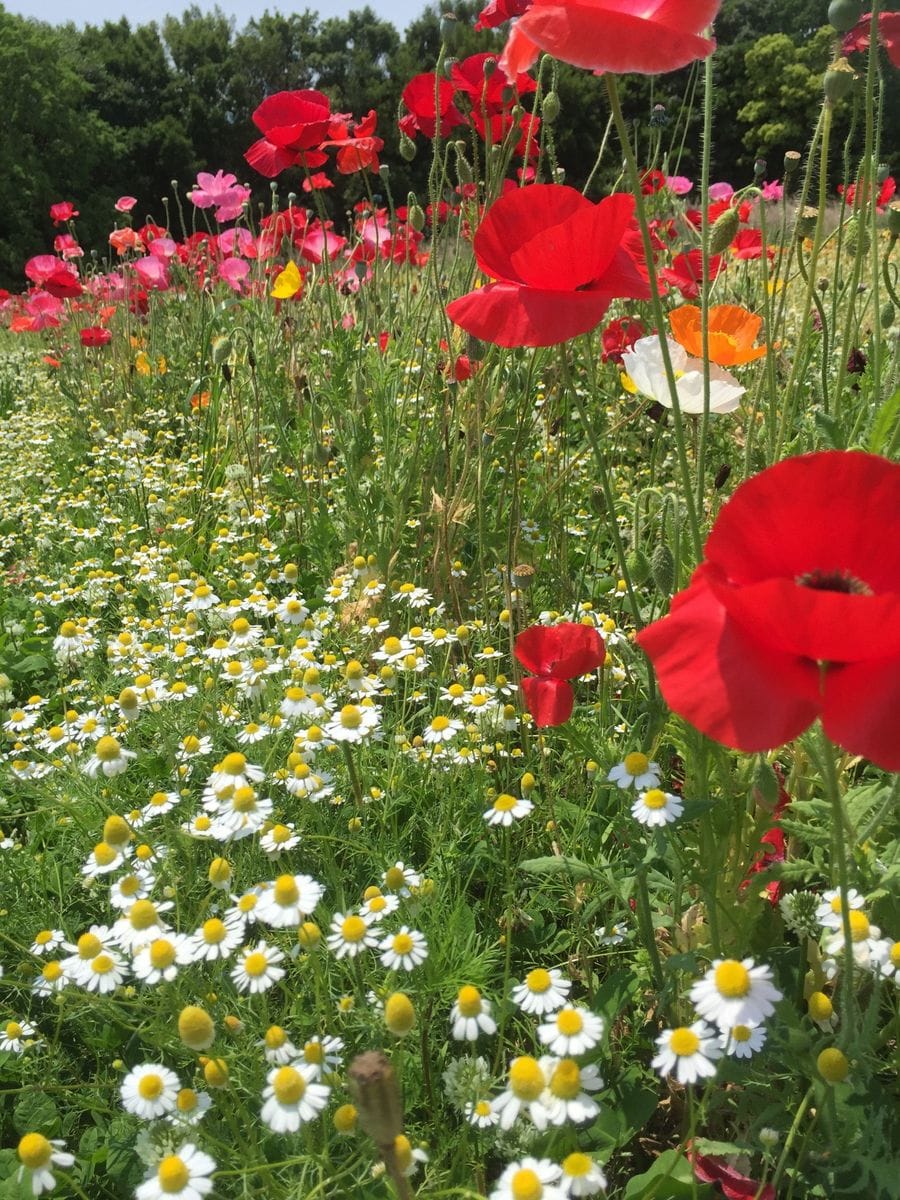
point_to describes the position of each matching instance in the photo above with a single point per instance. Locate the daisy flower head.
(353, 723)
(17, 1036)
(288, 900)
(216, 938)
(184, 1175)
(109, 757)
(160, 959)
(442, 729)
(688, 1052)
(735, 993)
(612, 935)
(104, 859)
(234, 772)
(190, 1107)
(480, 1113)
(376, 905)
(526, 1084)
(635, 770)
(292, 1097)
(542, 991)
(322, 1054)
(149, 1091)
(403, 951)
(37, 1154)
(743, 1041)
(864, 938)
(350, 935)
(571, 1031)
(407, 1156)
(279, 839)
(401, 879)
(104, 973)
(470, 1015)
(656, 808)
(257, 970)
(506, 809)
(581, 1176)
(277, 1047)
(568, 1086)
(53, 978)
(529, 1179)
(141, 923)
(46, 941)
(829, 912)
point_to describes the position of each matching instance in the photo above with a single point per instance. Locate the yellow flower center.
(526, 1185)
(394, 878)
(833, 1065)
(565, 1082)
(13, 1030)
(191, 744)
(439, 724)
(104, 854)
(255, 964)
(351, 717)
(150, 1087)
(402, 943)
(392, 645)
(142, 914)
(286, 892)
(280, 833)
(859, 925)
(314, 1052)
(172, 1173)
(740, 1033)
(655, 798)
(68, 629)
(162, 954)
(569, 1022)
(353, 929)
(52, 972)
(469, 1001)
(158, 800)
(526, 1079)
(538, 980)
(89, 946)
(186, 1100)
(116, 831)
(233, 764)
(377, 904)
(45, 936)
(505, 803)
(732, 979)
(34, 1151)
(102, 964)
(107, 749)
(820, 1007)
(636, 763)
(577, 1165)
(684, 1042)
(288, 1085)
(214, 931)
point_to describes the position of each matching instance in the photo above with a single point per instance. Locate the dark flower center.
(834, 581)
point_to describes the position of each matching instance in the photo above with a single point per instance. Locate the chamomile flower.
(572, 1030)
(279, 839)
(322, 1054)
(97, 940)
(104, 859)
(159, 804)
(635, 770)
(257, 969)
(408, 1157)
(656, 808)
(581, 1176)
(46, 941)
(350, 935)
(568, 1086)
(529, 1179)
(38, 1154)
(821, 1010)
(149, 1091)
(277, 1047)
(17, 1036)
(190, 1107)
(735, 993)
(109, 758)
(526, 1083)
(612, 935)
(53, 978)
(481, 1114)
(542, 991)
(743, 1041)
(506, 809)
(159, 960)
(288, 900)
(470, 1015)
(353, 723)
(864, 938)
(403, 951)
(216, 938)
(234, 772)
(292, 1098)
(184, 1175)
(376, 906)
(688, 1052)
(442, 729)
(141, 923)
(829, 911)
(137, 885)
(104, 973)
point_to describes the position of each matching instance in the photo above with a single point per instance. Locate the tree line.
(94, 113)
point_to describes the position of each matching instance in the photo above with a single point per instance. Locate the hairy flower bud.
(374, 1087)
(724, 230)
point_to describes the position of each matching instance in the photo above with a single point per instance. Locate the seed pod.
(838, 80)
(638, 565)
(765, 784)
(792, 160)
(843, 14)
(662, 569)
(550, 108)
(723, 231)
(805, 225)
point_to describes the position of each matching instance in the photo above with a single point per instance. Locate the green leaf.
(670, 1178)
(561, 864)
(36, 1113)
(884, 423)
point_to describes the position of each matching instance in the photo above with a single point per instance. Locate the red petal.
(569, 254)
(268, 159)
(509, 315)
(718, 677)
(561, 651)
(826, 512)
(734, 1185)
(862, 710)
(518, 217)
(550, 701)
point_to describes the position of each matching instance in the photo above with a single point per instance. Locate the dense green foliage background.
(89, 114)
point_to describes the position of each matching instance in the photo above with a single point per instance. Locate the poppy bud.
(844, 14)
(760, 167)
(857, 236)
(807, 218)
(662, 569)
(765, 784)
(722, 476)
(407, 148)
(463, 167)
(724, 230)
(638, 566)
(838, 80)
(893, 219)
(659, 118)
(415, 218)
(887, 315)
(550, 108)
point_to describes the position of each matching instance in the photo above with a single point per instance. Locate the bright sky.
(142, 12)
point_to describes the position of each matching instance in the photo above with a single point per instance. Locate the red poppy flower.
(430, 103)
(357, 144)
(885, 193)
(733, 1185)
(794, 613)
(292, 124)
(619, 336)
(888, 35)
(555, 654)
(774, 841)
(95, 335)
(64, 211)
(686, 272)
(645, 36)
(747, 244)
(499, 124)
(488, 92)
(559, 261)
(496, 12)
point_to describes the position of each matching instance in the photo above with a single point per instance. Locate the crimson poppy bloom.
(884, 197)
(95, 335)
(496, 12)
(647, 37)
(888, 35)
(619, 336)
(64, 211)
(292, 124)
(733, 1185)
(357, 145)
(555, 654)
(430, 103)
(794, 613)
(491, 92)
(559, 260)
(686, 272)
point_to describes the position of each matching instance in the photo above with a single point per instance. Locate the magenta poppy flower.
(125, 204)
(221, 191)
(558, 260)
(62, 212)
(794, 613)
(555, 654)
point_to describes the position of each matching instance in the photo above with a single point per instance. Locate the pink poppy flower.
(222, 191)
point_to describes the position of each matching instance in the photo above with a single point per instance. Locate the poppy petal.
(561, 651)
(862, 710)
(270, 160)
(518, 217)
(510, 315)
(550, 701)
(729, 685)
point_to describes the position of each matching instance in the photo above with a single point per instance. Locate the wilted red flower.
(794, 613)
(95, 335)
(686, 272)
(733, 1185)
(293, 124)
(496, 12)
(430, 103)
(619, 336)
(62, 212)
(555, 654)
(888, 35)
(613, 35)
(885, 193)
(559, 260)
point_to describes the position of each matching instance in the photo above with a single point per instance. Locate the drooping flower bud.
(724, 230)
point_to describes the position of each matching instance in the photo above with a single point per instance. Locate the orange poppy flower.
(732, 332)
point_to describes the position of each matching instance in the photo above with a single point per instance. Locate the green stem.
(789, 1140)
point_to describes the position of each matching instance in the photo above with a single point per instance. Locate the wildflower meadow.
(450, 648)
